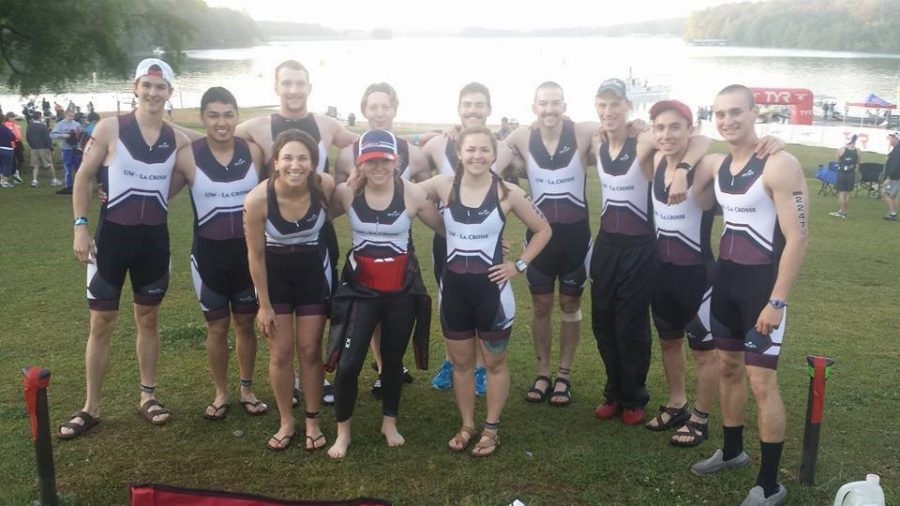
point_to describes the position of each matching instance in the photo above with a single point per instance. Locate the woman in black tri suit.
(476, 297)
(381, 282)
(291, 270)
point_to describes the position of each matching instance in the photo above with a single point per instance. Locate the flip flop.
(312, 441)
(219, 412)
(535, 390)
(148, 415)
(249, 404)
(280, 448)
(78, 429)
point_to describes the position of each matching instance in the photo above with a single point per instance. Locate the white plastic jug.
(861, 493)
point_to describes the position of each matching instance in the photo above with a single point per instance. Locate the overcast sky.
(448, 15)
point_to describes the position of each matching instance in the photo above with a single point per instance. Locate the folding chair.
(828, 177)
(869, 179)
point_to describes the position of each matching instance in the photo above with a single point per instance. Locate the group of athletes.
(265, 250)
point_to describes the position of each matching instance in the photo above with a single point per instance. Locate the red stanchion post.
(819, 370)
(36, 382)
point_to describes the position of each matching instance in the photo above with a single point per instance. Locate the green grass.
(844, 305)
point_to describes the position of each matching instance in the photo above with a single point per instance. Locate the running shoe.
(376, 389)
(839, 214)
(443, 379)
(480, 382)
(55, 182)
(633, 416)
(17, 178)
(891, 217)
(607, 410)
(407, 376)
(327, 393)
(6, 184)
(34, 183)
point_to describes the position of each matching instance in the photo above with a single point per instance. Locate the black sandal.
(696, 431)
(677, 416)
(535, 390)
(567, 393)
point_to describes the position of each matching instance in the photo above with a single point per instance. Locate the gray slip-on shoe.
(717, 463)
(757, 497)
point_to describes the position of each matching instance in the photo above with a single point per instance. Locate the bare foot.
(339, 449)
(391, 434)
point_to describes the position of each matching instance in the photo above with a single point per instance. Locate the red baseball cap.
(672, 105)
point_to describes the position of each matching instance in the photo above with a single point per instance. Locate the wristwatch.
(521, 265)
(777, 303)
(685, 166)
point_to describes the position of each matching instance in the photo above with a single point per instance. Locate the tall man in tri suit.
(474, 107)
(133, 155)
(379, 106)
(554, 153)
(764, 205)
(220, 170)
(623, 260)
(293, 87)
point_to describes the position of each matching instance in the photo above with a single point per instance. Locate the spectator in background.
(848, 159)
(891, 187)
(92, 119)
(68, 132)
(505, 129)
(18, 148)
(170, 108)
(38, 136)
(7, 138)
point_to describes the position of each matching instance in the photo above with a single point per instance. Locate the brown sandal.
(88, 423)
(696, 432)
(461, 440)
(676, 416)
(148, 415)
(492, 444)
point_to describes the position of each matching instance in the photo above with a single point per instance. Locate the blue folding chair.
(827, 176)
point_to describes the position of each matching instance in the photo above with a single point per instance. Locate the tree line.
(838, 25)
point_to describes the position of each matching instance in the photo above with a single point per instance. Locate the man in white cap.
(132, 156)
(891, 187)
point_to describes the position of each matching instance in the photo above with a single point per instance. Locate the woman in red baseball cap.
(381, 282)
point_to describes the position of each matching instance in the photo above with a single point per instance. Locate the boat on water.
(708, 42)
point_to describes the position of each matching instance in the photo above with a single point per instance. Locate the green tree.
(51, 44)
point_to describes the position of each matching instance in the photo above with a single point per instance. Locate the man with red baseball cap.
(623, 261)
(133, 156)
(681, 289)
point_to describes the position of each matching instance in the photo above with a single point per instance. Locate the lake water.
(428, 72)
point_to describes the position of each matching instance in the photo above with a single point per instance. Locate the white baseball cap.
(154, 67)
